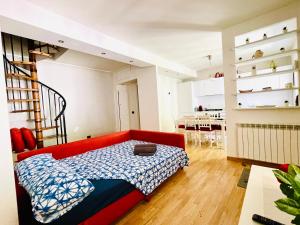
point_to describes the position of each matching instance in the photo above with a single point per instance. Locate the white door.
(123, 115)
(133, 106)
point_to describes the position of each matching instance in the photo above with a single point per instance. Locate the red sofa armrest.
(172, 139)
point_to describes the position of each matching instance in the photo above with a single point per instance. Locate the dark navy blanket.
(106, 192)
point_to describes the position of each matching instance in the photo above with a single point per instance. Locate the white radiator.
(276, 143)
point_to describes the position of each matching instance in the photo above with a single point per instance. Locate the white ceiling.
(183, 31)
(90, 61)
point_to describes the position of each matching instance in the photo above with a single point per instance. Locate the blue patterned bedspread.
(118, 162)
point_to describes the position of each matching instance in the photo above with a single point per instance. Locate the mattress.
(106, 192)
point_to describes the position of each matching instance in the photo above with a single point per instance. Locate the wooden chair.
(191, 129)
(205, 128)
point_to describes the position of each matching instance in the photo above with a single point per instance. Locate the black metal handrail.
(58, 99)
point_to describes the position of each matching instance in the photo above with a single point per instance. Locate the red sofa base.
(118, 208)
(115, 210)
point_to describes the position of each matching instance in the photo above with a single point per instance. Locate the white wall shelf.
(269, 108)
(278, 73)
(268, 40)
(262, 91)
(267, 57)
(208, 95)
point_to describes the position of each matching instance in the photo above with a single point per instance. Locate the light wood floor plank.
(205, 193)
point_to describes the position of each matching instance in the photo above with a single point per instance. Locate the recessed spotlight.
(103, 53)
(131, 61)
(61, 41)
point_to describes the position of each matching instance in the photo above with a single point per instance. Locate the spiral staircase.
(43, 107)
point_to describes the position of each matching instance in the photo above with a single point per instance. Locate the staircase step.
(47, 128)
(33, 120)
(23, 100)
(50, 137)
(24, 64)
(36, 52)
(20, 89)
(18, 76)
(22, 111)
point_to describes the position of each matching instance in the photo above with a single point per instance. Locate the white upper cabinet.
(208, 87)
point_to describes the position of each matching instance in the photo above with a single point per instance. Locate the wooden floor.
(204, 193)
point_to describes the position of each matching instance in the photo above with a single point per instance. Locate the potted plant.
(290, 187)
(273, 66)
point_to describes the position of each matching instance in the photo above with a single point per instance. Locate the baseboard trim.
(253, 162)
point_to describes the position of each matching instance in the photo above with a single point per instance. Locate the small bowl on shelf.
(267, 88)
(246, 91)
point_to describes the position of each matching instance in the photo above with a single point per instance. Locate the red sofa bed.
(118, 208)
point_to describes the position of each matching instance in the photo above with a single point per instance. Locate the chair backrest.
(204, 121)
(190, 122)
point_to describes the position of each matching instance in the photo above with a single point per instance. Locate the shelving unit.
(271, 39)
(269, 108)
(263, 91)
(277, 73)
(209, 95)
(286, 62)
(268, 57)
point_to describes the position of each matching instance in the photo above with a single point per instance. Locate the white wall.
(8, 206)
(186, 100)
(147, 91)
(207, 73)
(133, 105)
(89, 96)
(258, 116)
(167, 100)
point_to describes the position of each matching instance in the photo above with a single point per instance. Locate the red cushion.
(284, 167)
(28, 137)
(216, 127)
(205, 129)
(17, 141)
(190, 128)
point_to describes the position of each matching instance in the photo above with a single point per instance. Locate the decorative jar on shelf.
(240, 105)
(259, 53)
(265, 36)
(286, 103)
(253, 71)
(247, 41)
(288, 85)
(284, 30)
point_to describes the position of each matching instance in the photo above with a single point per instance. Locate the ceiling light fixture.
(60, 41)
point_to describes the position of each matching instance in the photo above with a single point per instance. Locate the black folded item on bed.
(144, 149)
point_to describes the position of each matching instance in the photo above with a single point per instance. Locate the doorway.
(128, 106)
